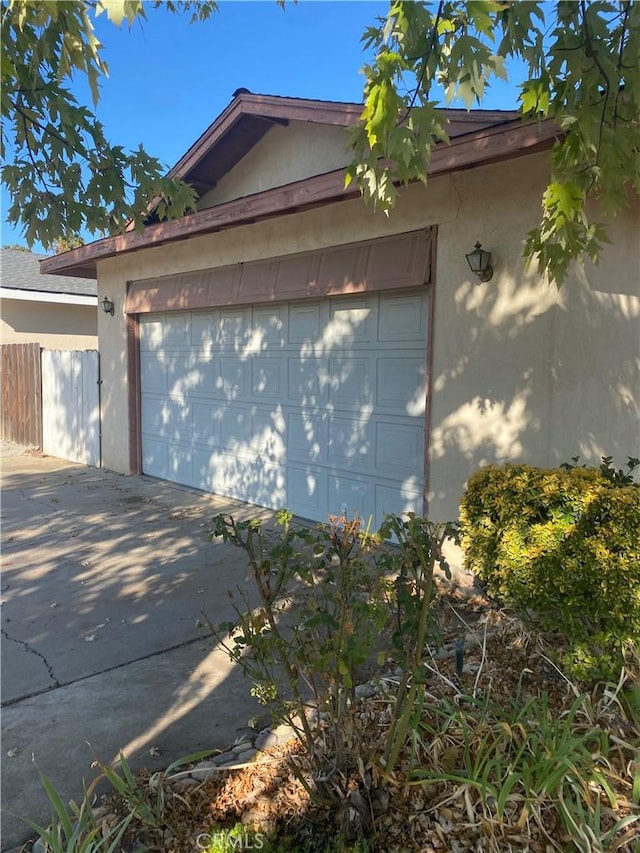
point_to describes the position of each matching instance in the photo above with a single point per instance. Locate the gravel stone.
(246, 755)
(365, 691)
(224, 758)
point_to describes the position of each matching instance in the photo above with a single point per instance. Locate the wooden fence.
(21, 388)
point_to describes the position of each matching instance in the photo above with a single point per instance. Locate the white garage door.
(317, 406)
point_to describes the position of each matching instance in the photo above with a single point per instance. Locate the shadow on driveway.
(104, 578)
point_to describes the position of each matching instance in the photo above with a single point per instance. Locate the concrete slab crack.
(33, 651)
(44, 503)
(61, 684)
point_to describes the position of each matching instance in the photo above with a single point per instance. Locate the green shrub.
(562, 547)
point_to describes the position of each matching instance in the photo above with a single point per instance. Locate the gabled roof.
(249, 117)
(20, 271)
(477, 137)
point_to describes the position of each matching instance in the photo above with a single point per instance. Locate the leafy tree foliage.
(583, 61)
(63, 174)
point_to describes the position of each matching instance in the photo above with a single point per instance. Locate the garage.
(314, 404)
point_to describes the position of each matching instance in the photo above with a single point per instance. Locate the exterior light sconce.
(480, 263)
(107, 305)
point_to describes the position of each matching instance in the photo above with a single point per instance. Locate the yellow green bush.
(562, 548)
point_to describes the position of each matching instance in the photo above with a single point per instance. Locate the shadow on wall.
(525, 372)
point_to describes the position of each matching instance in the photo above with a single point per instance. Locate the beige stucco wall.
(520, 370)
(284, 155)
(52, 325)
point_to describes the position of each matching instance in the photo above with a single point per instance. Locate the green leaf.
(583, 73)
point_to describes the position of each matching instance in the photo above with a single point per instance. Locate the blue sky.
(168, 80)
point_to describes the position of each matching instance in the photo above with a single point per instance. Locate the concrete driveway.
(104, 578)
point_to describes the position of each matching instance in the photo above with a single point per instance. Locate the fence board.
(71, 405)
(21, 381)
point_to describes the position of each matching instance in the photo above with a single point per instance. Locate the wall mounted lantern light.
(480, 262)
(107, 305)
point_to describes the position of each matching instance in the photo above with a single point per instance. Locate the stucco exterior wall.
(519, 370)
(53, 326)
(284, 155)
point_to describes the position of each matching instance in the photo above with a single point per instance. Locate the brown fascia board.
(270, 108)
(279, 109)
(474, 149)
(275, 109)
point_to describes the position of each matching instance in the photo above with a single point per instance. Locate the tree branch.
(425, 62)
(619, 66)
(48, 188)
(590, 51)
(48, 131)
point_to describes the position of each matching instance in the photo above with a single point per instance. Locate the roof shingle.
(21, 271)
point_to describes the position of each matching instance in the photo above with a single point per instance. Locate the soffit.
(249, 117)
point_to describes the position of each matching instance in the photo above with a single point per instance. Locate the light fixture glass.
(107, 305)
(480, 262)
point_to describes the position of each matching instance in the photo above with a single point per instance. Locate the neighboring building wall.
(520, 370)
(284, 155)
(52, 325)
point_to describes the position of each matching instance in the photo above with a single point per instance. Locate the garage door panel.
(270, 327)
(153, 373)
(180, 463)
(304, 323)
(306, 491)
(189, 374)
(398, 449)
(235, 428)
(351, 496)
(401, 385)
(268, 378)
(176, 330)
(152, 333)
(257, 479)
(165, 418)
(306, 437)
(314, 405)
(350, 443)
(403, 317)
(405, 497)
(204, 332)
(162, 331)
(233, 331)
(205, 424)
(155, 455)
(234, 378)
(353, 321)
(352, 382)
(268, 435)
(155, 415)
(261, 480)
(307, 381)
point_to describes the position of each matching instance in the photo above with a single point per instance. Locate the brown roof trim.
(473, 149)
(269, 107)
(275, 109)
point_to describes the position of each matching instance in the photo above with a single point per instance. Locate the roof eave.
(474, 149)
(48, 296)
(270, 108)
